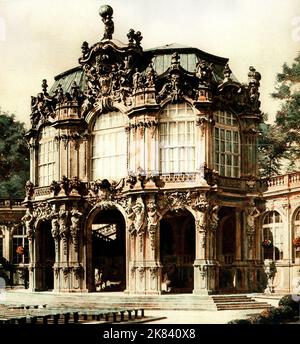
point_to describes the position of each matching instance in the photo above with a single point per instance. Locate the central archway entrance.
(109, 251)
(229, 276)
(45, 256)
(177, 251)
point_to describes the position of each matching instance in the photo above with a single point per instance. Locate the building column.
(204, 270)
(64, 249)
(153, 265)
(238, 235)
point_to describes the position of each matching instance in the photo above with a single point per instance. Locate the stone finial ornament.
(106, 13)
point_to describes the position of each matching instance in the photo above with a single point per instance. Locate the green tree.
(14, 157)
(271, 148)
(287, 90)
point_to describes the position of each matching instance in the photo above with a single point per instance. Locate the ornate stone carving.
(76, 216)
(106, 13)
(203, 270)
(214, 218)
(251, 214)
(132, 272)
(153, 272)
(29, 190)
(227, 72)
(29, 220)
(66, 271)
(64, 230)
(54, 225)
(139, 220)
(254, 82)
(153, 222)
(42, 106)
(204, 73)
(141, 271)
(54, 188)
(41, 212)
(172, 87)
(202, 207)
(134, 37)
(78, 271)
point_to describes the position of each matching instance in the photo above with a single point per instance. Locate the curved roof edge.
(67, 72)
(184, 49)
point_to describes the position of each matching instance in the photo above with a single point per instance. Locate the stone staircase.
(237, 302)
(119, 301)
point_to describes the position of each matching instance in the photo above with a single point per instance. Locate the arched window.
(177, 139)
(296, 234)
(227, 145)
(46, 157)
(1, 242)
(109, 147)
(273, 231)
(20, 240)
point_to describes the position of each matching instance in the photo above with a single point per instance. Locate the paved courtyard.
(165, 316)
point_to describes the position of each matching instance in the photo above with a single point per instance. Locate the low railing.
(11, 203)
(234, 183)
(178, 177)
(284, 181)
(42, 191)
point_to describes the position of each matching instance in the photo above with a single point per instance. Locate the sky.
(42, 38)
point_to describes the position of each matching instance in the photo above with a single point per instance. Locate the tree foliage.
(14, 157)
(288, 117)
(271, 148)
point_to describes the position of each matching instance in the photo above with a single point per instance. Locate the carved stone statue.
(137, 80)
(153, 221)
(63, 229)
(139, 212)
(106, 13)
(204, 73)
(76, 216)
(251, 214)
(227, 72)
(150, 76)
(54, 225)
(29, 189)
(130, 217)
(29, 219)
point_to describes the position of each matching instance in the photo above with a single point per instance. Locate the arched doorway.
(46, 256)
(109, 251)
(226, 248)
(177, 251)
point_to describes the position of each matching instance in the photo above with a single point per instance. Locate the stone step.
(234, 300)
(237, 302)
(242, 306)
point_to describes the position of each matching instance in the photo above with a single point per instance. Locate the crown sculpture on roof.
(112, 72)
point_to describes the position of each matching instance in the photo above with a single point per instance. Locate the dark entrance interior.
(47, 255)
(177, 251)
(226, 250)
(108, 247)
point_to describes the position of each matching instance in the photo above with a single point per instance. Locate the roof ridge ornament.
(106, 13)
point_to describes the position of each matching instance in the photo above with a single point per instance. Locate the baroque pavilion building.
(144, 173)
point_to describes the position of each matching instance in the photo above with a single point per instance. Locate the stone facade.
(280, 224)
(13, 265)
(169, 202)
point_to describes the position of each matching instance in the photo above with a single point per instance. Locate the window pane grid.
(273, 231)
(226, 140)
(177, 139)
(46, 157)
(20, 239)
(109, 147)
